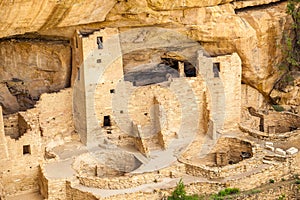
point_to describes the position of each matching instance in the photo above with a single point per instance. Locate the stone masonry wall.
(283, 121)
(56, 116)
(51, 189)
(3, 142)
(102, 62)
(20, 170)
(230, 74)
(132, 180)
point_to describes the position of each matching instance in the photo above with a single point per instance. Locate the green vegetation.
(293, 44)
(225, 194)
(278, 108)
(271, 181)
(297, 182)
(291, 47)
(281, 197)
(180, 194)
(254, 191)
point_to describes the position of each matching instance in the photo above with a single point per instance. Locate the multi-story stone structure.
(125, 129)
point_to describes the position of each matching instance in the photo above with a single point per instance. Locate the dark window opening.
(216, 69)
(76, 42)
(78, 74)
(261, 125)
(245, 155)
(171, 63)
(293, 128)
(106, 121)
(112, 91)
(146, 114)
(99, 60)
(100, 42)
(108, 132)
(189, 70)
(121, 111)
(26, 149)
(261, 128)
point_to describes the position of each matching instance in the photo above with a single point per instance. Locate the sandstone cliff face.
(221, 26)
(289, 94)
(255, 33)
(18, 17)
(28, 69)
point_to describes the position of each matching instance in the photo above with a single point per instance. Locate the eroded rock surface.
(29, 69)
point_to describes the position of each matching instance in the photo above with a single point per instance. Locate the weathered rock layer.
(28, 69)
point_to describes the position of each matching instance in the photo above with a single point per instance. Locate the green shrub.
(271, 181)
(254, 191)
(297, 182)
(216, 197)
(180, 194)
(281, 197)
(278, 108)
(229, 191)
(225, 193)
(283, 179)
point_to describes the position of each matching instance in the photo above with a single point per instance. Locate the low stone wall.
(131, 180)
(51, 189)
(246, 181)
(255, 177)
(76, 194)
(56, 189)
(117, 182)
(287, 188)
(275, 172)
(43, 183)
(263, 135)
(282, 122)
(223, 172)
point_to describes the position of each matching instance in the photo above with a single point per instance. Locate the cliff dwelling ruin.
(120, 111)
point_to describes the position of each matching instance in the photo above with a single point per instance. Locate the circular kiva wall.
(281, 122)
(106, 163)
(272, 123)
(228, 151)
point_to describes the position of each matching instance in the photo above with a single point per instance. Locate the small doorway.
(106, 121)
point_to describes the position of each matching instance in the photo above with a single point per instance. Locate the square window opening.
(26, 149)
